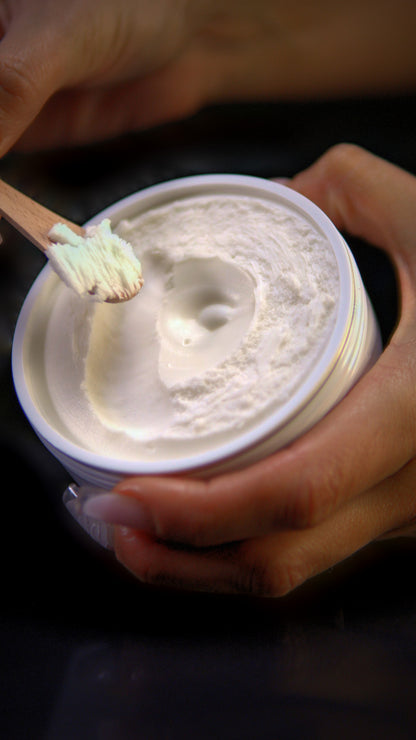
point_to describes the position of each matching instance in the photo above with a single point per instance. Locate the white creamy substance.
(100, 265)
(239, 300)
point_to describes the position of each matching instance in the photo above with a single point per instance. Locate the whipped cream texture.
(239, 301)
(100, 266)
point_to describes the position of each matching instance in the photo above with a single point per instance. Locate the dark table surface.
(88, 652)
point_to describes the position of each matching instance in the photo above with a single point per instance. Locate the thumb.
(365, 196)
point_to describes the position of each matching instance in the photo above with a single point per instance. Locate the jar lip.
(157, 195)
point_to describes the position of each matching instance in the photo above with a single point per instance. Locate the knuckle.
(309, 506)
(318, 490)
(152, 576)
(252, 580)
(16, 81)
(272, 579)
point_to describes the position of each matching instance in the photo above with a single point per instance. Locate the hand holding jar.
(349, 481)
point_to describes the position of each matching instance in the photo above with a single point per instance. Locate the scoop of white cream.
(100, 266)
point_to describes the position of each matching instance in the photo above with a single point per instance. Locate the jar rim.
(157, 195)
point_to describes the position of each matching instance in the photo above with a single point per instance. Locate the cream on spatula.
(94, 262)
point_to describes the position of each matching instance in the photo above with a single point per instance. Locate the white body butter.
(239, 299)
(99, 266)
(252, 323)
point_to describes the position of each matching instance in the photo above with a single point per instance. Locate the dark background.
(88, 652)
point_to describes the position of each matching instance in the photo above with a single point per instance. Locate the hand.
(84, 70)
(347, 482)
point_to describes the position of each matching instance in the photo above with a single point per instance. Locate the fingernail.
(114, 508)
(99, 531)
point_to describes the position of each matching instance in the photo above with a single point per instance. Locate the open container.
(353, 345)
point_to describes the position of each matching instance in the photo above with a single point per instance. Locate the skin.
(350, 480)
(98, 68)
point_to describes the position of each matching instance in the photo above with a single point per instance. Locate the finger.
(158, 564)
(365, 196)
(369, 436)
(278, 563)
(84, 115)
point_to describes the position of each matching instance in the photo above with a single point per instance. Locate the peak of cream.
(100, 266)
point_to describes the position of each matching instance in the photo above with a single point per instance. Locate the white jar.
(352, 347)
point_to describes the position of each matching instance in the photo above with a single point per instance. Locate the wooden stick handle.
(30, 218)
